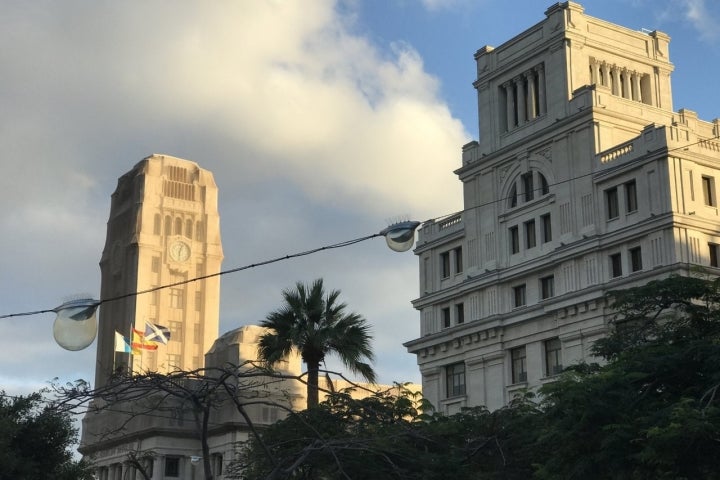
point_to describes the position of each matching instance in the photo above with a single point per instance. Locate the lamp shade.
(400, 237)
(75, 326)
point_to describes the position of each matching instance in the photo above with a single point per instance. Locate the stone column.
(595, 72)
(605, 79)
(509, 106)
(521, 102)
(637, 91)
(541, 89)
(616, 88)
(626, 84)
(530, 79)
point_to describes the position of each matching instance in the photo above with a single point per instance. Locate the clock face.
(179, 251)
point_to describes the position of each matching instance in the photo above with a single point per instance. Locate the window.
(176, 331)
(544, 187)
(546, 228)
(553, 357)
(635, 259)
(514, 240)
(176, 298)
(611, 199)
(513, 196)
(519, 365)
(528, 188)
(530, 234)
(631, 197)
(174, 362)
(519, 295)
(445, 264)
(445, 316)
(198, 300)
(178, 226)
(547, 287)
(455, 379)
(458, 260)
(615, 265)
(168, 225)
(217, 464)
(713, 248)
(188, 228)
(708, 184)
(172, 466)
(460, 313)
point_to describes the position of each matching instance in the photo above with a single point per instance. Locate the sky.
(322, 121)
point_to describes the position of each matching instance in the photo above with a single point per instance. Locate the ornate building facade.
(584, 180)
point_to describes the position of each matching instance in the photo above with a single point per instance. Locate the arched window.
(168, 225)
(178, 226)
(188, 228)
(544, 187)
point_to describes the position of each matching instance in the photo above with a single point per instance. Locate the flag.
(156, 333)
(140, 343)
(121, 343)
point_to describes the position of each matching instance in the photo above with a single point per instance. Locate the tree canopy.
(649, 410)
(317, 325)
(36, 441)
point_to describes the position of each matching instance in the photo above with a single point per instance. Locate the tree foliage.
(649, 411)
(386, 436)
(317, 325)
(36, 441)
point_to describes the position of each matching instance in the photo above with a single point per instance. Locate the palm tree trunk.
(312, 384)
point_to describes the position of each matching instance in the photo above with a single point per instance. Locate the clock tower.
(163, 231)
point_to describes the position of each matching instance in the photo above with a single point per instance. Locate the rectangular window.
(217, 464)
(611, 201)
(155, 264)
(176, 298)
(615, 265)
(547, 287)
(460, 313)
(546, 228)
(528, 188)
(172, 466)
(713, 249)
(445, 264)
(174, 361)
(176, 331)
(458, 260)
(445, 316)
(553, 357)
(708, 184)
(530, 234)
(455, 379)
(631, 196)
(635, 259)
(155, 298)
(519, 295)
(519, 365)
(514, 240)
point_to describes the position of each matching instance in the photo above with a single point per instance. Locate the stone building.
(584, 180)
(163, 229)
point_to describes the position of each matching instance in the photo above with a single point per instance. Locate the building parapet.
(433, 230)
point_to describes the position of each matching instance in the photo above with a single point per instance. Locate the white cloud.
(313, 133)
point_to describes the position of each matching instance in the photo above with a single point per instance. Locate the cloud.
(697, 13)
(314, 133)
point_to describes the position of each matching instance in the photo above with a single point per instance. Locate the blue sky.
(321, 120)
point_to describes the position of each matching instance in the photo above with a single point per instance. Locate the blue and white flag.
(156, 333)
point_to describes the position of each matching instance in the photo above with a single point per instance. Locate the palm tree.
(316, 325)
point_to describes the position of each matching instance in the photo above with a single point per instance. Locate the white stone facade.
(583, 180)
